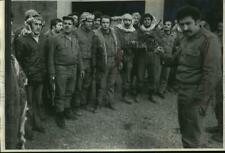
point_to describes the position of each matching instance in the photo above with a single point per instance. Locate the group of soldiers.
(78, 60)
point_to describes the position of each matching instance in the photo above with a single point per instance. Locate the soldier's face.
(189, 26)
(105, 23)
(67, 26)
(167, 26)
(127, 22)
(97, 22)
(58, 27)
(88, 24)
(36, 27)
(136, 19)
(147, 22)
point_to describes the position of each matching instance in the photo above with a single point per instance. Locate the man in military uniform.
(218, 130)
(126, 35)
(105, 48)
(198, 60)
(63, 61)
(85, 38)
(56, 28)
(166, 42)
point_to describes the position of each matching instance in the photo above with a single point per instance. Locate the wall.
(48, 10)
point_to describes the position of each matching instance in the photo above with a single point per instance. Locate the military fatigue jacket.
(85, 39)
(64, 51)
(198, 61)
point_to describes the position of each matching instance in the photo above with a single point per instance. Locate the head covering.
(127, 16)
(35, 18)
(86, 15)
(30, 13)
(90, 16)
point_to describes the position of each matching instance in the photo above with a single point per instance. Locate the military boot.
(60, 121)
(69, 114)
(150, 98)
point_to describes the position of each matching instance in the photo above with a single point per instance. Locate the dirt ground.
(142, 125)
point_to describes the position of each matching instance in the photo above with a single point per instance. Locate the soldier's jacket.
(64, 52)
(31, 56)
(198, 61)
(85, 39)
(167, 43)
(105, 48)
(125, 38)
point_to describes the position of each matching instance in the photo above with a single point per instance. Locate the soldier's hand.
(159, 50)
(202, 111)
(82, 74)
(52, 77)
(120, 66)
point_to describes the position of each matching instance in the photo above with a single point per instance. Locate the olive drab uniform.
(198, 61)
(84, 94)
(219, 91)
(64, 59)
(146, 58)
(167, 43)
(104, 61)
(126, 37)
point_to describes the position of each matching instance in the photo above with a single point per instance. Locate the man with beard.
(126, 35)
(166, 42)
(85, 38)
(63, 61)
(31, 56)
(105, 47)
(147, 58)
(97, 20)
(198, 59)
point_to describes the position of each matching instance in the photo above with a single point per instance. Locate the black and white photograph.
(112, 75)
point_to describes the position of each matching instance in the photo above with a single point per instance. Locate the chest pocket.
(192, 57)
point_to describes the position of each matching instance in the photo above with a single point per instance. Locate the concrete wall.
(155, 7)
(58, 8)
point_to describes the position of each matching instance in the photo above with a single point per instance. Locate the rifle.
(52, 91)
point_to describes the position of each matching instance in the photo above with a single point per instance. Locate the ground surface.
(143, 125)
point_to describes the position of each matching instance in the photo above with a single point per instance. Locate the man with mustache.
(63, 61)
(198, 59)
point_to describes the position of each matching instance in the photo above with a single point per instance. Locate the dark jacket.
(31, 56)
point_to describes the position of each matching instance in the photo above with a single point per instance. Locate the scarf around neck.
(130, 29)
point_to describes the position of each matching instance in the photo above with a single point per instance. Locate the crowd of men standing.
(76, 63)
